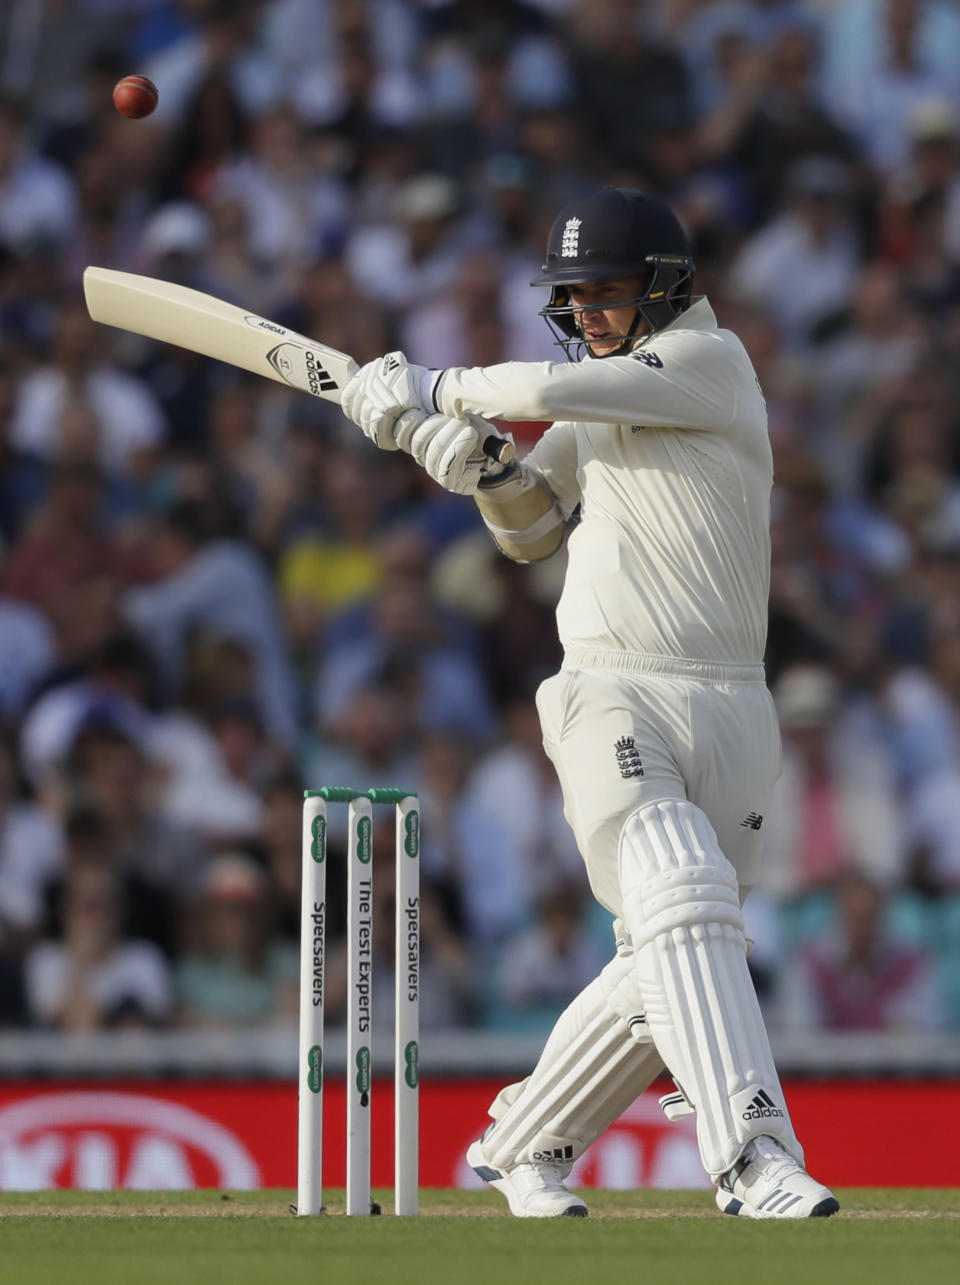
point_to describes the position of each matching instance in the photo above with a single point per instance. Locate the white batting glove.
(379, 393)
(449, 450)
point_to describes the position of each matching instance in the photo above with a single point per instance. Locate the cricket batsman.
(659, 723)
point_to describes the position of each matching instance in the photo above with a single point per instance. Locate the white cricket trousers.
(625, 731)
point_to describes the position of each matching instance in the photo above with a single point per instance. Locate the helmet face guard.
(613, 234)
(666, 296)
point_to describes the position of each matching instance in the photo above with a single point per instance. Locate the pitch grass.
(466, 1238)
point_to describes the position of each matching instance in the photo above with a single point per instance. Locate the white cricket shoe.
(532, 1191)
(766, 1182)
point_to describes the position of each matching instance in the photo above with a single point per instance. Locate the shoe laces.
(547, 1175)
(769, 1157)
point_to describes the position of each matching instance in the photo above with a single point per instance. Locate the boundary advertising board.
(152, 1135)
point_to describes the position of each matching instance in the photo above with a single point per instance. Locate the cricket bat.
(210, 326)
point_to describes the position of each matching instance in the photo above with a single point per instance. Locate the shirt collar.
(699, 316)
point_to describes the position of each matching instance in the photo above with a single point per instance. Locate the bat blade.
(204, 324)
(191, 319)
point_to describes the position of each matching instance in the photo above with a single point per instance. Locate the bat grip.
(499, 448)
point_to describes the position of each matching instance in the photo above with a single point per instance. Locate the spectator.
(291, 211)
(29, 653)
(330, 570)
(235, 975)
(772, 116)
(441, 773)
(222, 38)
(22, 478)
(212, 132)
(118, 685)
(95, 978)
(317, 43)
(929, 170)
(107, 770)
(37, 199)
(218, 584)
(66, 544)
(31, 854)
(911, 467)
(369, 739)
(545, 965)
(81, 406)
(861, 979)
(611, 54)
(862, 367)
(213, 770)
(417, 257)
(409, 642)
(802, 265)
(514, 842)
(280, 839)
(884, 57)
(834, 805)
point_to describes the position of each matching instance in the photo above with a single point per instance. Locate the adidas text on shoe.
(532, 1191)
(766, 1182)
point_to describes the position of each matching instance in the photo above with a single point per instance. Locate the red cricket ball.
(135, 96)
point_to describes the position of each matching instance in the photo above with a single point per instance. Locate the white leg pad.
(681, 906)
(591, 1069)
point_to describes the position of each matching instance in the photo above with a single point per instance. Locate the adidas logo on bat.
(259, 323)
(318, 378)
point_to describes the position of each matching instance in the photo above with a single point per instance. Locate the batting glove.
(449, 450)
(379, 393)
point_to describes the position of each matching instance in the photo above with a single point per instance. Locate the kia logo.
(109, 1139)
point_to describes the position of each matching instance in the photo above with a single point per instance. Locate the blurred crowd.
(214, 593)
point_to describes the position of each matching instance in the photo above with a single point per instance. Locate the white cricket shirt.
(667, 452)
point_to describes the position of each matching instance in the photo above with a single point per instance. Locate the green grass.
(143, 1238)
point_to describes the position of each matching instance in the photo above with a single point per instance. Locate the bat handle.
(498, 448)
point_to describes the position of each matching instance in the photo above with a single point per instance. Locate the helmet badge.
(570, 245)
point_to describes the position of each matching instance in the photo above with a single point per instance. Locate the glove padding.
(449, 450)
(379, 393)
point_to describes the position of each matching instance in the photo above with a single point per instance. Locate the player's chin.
(605, 346)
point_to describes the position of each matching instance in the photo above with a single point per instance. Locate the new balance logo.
(554, 1155)
(752, 821)
(762, 1107)
(570, 244)
(628, 758)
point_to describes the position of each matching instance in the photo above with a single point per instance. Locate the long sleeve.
(682, 379)
(555, 458)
